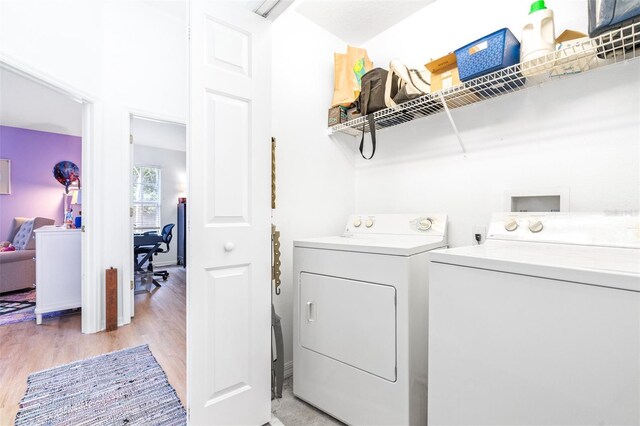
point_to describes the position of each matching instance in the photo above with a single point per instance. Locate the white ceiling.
(159, 134)
(30, 105)
(357, 21)
(178, 8)
(353, 21)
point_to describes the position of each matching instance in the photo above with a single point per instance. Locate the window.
(146, 199)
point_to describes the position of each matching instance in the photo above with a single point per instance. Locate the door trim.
(91, 287)
(128, 308)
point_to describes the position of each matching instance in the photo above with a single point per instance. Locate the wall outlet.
(476, 231)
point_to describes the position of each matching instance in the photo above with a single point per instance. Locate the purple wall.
(34, 190)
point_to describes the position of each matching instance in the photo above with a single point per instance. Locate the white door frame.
(128, 305)
(91, 126)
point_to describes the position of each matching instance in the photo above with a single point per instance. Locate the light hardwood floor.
(159, 321)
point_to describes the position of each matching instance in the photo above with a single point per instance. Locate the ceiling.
(353, 21)
(30, 105)
(357, 21)
(178, 8)
(159, 134)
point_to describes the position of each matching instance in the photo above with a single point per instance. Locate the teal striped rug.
(126, 387)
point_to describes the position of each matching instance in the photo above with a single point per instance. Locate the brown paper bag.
(348, 71)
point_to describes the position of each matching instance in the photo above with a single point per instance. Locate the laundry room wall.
(315, 178)
(128, 56)
(577, 136)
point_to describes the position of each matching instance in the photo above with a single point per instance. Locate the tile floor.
(291, 411)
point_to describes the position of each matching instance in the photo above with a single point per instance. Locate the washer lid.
(603, 266)
(397, 245)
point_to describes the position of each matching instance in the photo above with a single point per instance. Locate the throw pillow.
(21, 239)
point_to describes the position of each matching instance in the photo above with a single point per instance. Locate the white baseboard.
(288, 369)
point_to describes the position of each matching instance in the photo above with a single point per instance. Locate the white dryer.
(360, 318)
(540, 325)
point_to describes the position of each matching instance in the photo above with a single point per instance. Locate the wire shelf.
(579, 56)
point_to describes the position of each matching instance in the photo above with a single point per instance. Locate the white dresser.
(58, 273)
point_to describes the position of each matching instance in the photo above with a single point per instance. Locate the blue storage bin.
(490, 53)
(608, 15)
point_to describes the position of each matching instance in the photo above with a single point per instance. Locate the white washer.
(360, 318)
(540, 325)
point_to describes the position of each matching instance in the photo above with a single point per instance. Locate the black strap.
(372, 130)
(364, 106)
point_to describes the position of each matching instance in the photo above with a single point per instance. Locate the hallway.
(159, 321)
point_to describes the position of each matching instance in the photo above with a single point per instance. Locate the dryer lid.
(613, 267)
(397, 245)
(402, 234)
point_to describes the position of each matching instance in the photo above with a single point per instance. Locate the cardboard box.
(444, 75)
(337, 115)
(568, 35)
(444, 72)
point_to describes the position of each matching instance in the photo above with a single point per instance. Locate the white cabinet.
(58, 274)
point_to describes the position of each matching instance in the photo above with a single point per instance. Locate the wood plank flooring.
(160, 321)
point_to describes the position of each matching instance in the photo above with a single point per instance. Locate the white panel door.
(229, 297)
(353, 322)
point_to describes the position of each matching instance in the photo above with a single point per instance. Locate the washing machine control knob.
(535, 225)
(511, 224)
(369, 222)
(357, 222)
(425, 224)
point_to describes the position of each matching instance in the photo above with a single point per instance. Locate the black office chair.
(167, 235)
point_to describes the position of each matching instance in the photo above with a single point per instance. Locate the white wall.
(580, 134)
(125, 52)
(552, 137)
(127, 55)
(147, 58)
(315, 177)
(173, 183)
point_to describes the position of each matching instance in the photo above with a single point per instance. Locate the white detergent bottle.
(538, 40)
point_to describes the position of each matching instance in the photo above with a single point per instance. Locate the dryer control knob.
(511, 224)
(535, 225)
(369, 222)
(425, 224)
(357, 222)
